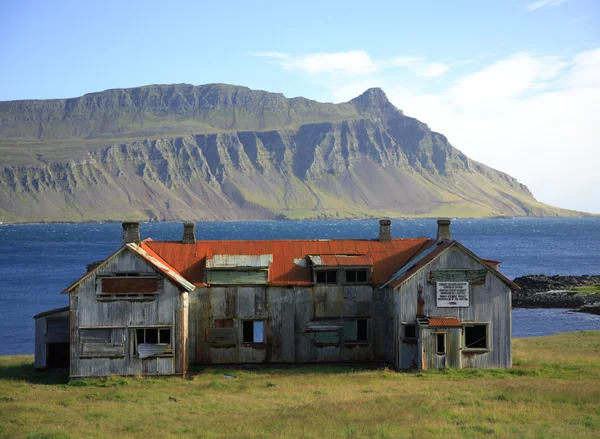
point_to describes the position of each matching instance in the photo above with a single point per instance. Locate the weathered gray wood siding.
(288, 314)
(489, 303)
(40, 345)
(430, 359)
(52, 328)
(168, 309)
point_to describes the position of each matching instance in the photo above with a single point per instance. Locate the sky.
(514, 84)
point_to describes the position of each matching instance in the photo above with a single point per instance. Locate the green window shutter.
(350, 330)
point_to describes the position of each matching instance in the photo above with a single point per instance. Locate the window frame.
(133, 334)
(327, 272)
(254, 322)
(437, 343)
(413, 325)
(356, 270)
(488, 337)
(358, 341)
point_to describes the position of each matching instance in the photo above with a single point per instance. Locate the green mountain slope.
(226, 152)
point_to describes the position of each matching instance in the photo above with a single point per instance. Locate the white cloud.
(536, 118)
(353, 63)
(432, 70)
(544, 4)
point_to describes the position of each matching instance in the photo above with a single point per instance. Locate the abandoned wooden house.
(153, 308)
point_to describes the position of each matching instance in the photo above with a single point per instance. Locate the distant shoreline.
(373, 218)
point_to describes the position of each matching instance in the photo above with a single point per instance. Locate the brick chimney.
(189, 233)
(131, 232)
(385, 234)
(443, 233)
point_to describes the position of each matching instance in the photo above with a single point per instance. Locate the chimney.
(385, 235)
(131, 232)
(443, 230)
(189, 233)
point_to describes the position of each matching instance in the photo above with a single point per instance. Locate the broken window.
(327, 277)
(152, 342)
(440, 343)
(476, 336)
(357, 276)
(356, 330)
(223, 323)
(410, 331)
(253, 331)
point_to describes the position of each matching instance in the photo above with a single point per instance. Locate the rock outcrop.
(131, 154)
(541, 291)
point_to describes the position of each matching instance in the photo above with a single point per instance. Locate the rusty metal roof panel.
(444, 322)
(161, 265)
(240, 261)
(347, 260)
(287, 269)
(427, 254)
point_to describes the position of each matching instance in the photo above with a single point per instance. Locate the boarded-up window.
(129, 287)
(102, 342)
(95, 335)
(253, 331)
(326, 276)
(237, 277)
(476, 336)
(223, 323)
(357, 276)
(356, 330)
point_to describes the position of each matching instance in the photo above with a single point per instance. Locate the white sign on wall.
(452, 294)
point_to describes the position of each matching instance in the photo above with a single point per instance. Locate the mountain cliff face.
(225, 152)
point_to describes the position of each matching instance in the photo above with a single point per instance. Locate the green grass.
(552, 391)
(586, 289)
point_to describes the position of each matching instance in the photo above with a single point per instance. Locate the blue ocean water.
(37, 261)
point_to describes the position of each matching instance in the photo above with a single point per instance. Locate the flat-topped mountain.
(170, 152)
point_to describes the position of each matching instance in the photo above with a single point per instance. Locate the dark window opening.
(356, 276)
(156, 336)
(476, 337)
(410, 331)
(362, 330)
(440, 343)
(151, 336)
(223, 323)
(253, 331)
(327, 277)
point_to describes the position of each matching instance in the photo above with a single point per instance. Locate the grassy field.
(586, 289)
(552, 391)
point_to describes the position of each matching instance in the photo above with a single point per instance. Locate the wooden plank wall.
(165, 310)
(489, 302)
(288, 313)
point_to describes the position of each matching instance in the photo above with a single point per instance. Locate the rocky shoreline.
(541, 291)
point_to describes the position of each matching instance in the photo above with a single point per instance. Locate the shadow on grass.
(290, 369)
(24, 371)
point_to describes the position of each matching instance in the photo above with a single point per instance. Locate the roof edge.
(52, 311)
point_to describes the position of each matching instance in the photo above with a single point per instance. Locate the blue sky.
(513, 84)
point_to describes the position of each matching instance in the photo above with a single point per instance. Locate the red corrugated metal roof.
(346, 260)
(189, 259)
(445, 322)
